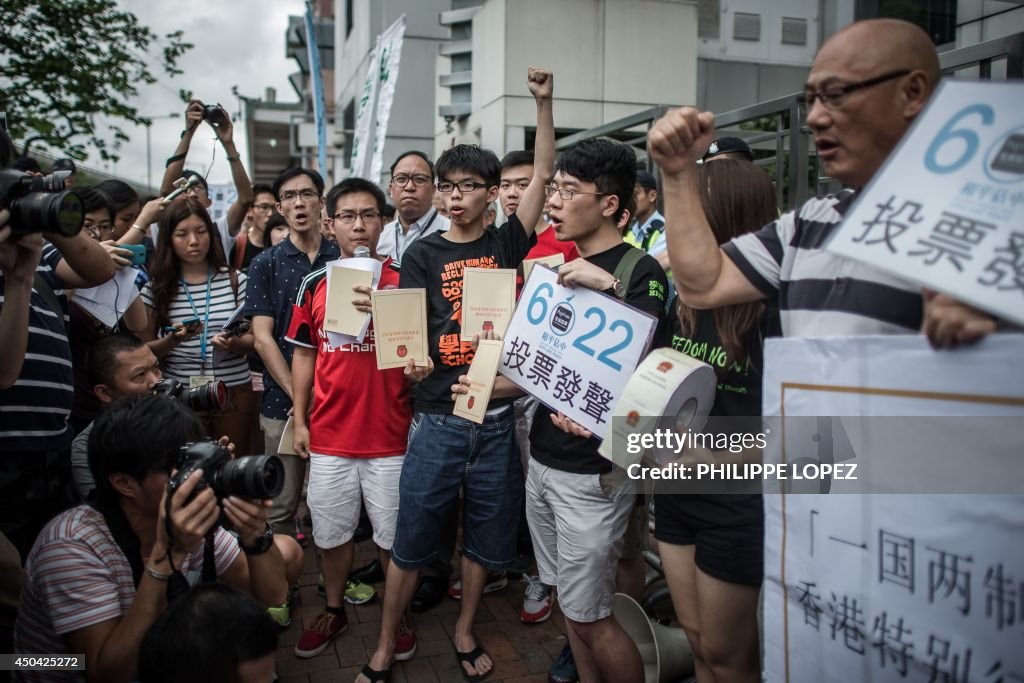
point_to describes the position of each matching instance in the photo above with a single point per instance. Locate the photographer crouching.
(99, 575)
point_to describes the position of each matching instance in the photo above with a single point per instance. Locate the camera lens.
(59, 212)
(252, 476)
(213, 114)
(211, 396)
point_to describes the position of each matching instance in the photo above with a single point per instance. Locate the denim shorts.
(448, 454)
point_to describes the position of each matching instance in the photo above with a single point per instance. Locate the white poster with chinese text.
(389, 55)
(573, 348)
(947, 208)
(895, 587)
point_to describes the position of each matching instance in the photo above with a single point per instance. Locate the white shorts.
(338, 484)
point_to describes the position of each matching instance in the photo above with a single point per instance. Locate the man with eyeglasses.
(351, 419)
(230, 223)
(867, 85)
(412, 191)
(255, 238)
(275, 276)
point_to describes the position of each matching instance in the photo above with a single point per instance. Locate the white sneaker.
(537, 601)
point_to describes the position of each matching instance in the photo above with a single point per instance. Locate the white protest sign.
(898, 586)
(389, 55)
(574, 349)
(947, 208)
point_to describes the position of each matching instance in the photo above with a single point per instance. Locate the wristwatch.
(618, 289)
(262, 545)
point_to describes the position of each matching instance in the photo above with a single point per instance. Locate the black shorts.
(727, 530)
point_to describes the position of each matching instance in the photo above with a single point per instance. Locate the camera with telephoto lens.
(210, 396)
(214, 115)
(40, 203)
(252, 476)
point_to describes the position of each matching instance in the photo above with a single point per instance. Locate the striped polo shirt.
(34, 411)
(185, 359)
(822, 294)
(77, 576)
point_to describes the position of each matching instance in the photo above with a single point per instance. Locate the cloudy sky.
(237, 42)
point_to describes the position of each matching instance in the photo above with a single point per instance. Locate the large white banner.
(947, 208)
(375, 103)
(897, 587)
(390, 55)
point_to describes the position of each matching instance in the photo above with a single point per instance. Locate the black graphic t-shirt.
(549, 445)
(435, 263)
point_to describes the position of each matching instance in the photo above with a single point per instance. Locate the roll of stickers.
(668, 390)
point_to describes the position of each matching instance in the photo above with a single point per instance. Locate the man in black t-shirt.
(577, 503)
(448, 454)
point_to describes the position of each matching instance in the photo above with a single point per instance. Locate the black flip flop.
(470, 658)
(374, 676)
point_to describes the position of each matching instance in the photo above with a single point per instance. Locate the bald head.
(891, 43)
(878, 76)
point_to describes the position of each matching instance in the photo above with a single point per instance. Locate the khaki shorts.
(337, 486)
(577, 522)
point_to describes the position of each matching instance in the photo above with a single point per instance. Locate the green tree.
(64, 64)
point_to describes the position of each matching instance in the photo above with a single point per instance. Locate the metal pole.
(149, 165)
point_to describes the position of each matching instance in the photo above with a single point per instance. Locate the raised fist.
(679, 138)
(541, 82)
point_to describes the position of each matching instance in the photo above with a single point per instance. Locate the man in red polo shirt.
(356, 431)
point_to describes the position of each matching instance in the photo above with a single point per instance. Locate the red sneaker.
(405, 642)
(325, 628)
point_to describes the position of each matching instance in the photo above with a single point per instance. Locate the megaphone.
(664, 650)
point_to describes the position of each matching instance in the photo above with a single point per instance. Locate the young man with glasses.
(448, 454)
(412, 191)
(255, 238)
(275, 276)
(355, 429)
(577, 503)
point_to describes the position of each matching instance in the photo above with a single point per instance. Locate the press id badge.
(200, 380)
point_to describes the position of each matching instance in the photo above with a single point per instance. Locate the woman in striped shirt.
(189, 299)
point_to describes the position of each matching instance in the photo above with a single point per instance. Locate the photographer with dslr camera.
(230, 223)
(36, 384)
(99, 575)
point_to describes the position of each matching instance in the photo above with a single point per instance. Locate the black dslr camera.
(214, 115)
(40, 203)
(251, 476)
(210, 396)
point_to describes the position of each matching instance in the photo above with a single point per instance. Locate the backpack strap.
(233, 274)
(627, 264)
(239, 256)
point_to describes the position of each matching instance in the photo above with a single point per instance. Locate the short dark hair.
(204, 635)
(136, 436)
(294, 172)
(414, 152)
(119, 193)
(276, 220)
(93, 200)
(389, 213)
(27, 164)
(610, 165)
(64, 165)
(262, 188)
(101, 360)
(519, 157)
(470, 159)
(196, 174)
(350, 186)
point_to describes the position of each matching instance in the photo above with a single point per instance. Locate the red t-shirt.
(358, 411)
(547, 245)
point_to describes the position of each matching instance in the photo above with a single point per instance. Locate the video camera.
(251, 476)
(210, 396)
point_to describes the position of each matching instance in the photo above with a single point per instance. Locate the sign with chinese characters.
(900, 586)
(574, 349)
(947, 208)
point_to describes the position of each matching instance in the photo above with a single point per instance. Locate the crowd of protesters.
(111, 539)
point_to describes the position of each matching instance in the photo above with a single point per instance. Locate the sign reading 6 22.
(621, 332)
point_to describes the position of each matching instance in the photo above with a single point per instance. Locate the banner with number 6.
(573, 348)
(947, 208)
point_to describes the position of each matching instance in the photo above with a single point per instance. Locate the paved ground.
(522, 654)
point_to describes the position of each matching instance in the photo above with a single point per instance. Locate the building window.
(746, 26)
(709, 14)
(936, 17)
(794, 31)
